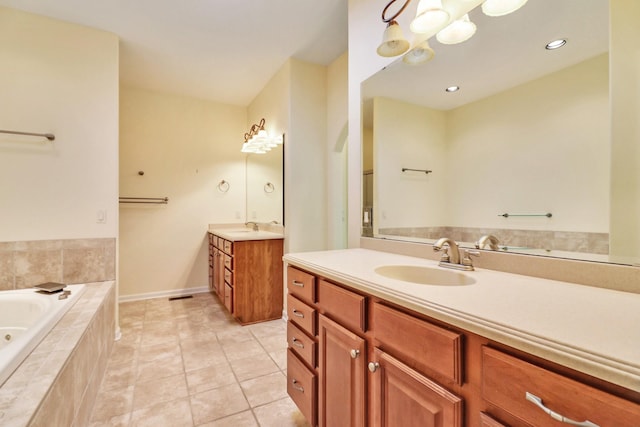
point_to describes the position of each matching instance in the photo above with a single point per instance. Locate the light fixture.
(556, 44)
(393, 41)
(458, 31)
(420, 53)
(258, 141)
(452, 89)
(501, 7)
(429, 17)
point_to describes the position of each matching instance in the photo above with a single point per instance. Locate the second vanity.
(245, 271)
(479, 348)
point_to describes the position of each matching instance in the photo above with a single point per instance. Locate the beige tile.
(266, 389)
(252, 367)
(111, 403)
(37, 266)
(281, 413)
(161, 366)
(209, 378)
(123, 352)
(117, 421)
(202, 356)
(159, 390)
(243, 419)
(217, 403)
(119, 376)
(280, 358)
(269, 329)
(174, 413)
(6, 270)
(235, 336)
(158, 337)
(274, 343)
(83, 265)
(243, 350)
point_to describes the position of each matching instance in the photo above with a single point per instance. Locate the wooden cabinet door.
(342, 368)
(404, 397)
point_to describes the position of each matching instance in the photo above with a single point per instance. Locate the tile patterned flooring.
(188, 363)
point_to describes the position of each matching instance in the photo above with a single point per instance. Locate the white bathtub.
(26, 317)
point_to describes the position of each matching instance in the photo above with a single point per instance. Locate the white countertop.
(243, 234)
(592, 330)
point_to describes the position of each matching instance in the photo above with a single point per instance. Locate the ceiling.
(505, 52)
(225, 51)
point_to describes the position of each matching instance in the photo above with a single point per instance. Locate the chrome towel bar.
(49, 136)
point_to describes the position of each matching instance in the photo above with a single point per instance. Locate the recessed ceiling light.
(452, 89)
(555, 44)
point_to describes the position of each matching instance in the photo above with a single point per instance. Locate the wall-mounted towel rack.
(417, 170)
(49, 136)
(507, 215)
(145, 200)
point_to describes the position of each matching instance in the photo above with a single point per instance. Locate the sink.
(425, 275)
(238, 231)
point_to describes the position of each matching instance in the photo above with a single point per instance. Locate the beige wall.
(625, 134)
(60, 78)
(408, 136)
(337, 155)
(530, 150)
(185, 147)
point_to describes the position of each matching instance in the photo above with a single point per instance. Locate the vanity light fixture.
(556, 44)
(432, 17)
(420, 53)
(429, 16)
(258, 141)
(501, 7)
(458, 31)
(451, 89)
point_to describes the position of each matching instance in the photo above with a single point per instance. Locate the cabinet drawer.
(487, 421)
(347, 307)
(228, 262)
(302, 387)
(301, 344)
(211, 239)
(423, 346)
(228, 247)
(228, 297)
(301, 314)
(301, 284)
(216, 241)
(228, 277)
(506, 380)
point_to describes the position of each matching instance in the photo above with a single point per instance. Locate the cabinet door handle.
(298, 284)
(373, 366)
(558, 417)
(297, 342)
(297, 313)
(354, 353)
(297, 386)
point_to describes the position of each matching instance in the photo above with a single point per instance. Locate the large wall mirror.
(265, 186)
(521, 151)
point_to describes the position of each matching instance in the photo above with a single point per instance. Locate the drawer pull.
(538, 402)
(297, 386)
(298, 284)
(298, 313)
(354, 353)
(373, 366)
(297, 343)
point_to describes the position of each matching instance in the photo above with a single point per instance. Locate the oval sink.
(425, 275)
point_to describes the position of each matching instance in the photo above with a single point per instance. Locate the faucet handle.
(467, 257)
(445, 253)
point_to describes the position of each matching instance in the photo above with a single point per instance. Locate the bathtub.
(26, 317)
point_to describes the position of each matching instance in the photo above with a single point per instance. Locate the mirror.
(522, 151)
(265, 186)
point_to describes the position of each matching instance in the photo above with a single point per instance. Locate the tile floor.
(188, 363)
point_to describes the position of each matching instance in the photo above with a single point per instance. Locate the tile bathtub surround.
(27, 263)
(188, 363)
(57, 383)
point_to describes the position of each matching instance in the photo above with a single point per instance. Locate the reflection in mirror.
(522, 151)
(265, 186)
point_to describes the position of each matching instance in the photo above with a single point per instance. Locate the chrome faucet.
(255, 225)
(491, 239)
(452, 260)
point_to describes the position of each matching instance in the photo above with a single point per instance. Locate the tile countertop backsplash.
(583, 327)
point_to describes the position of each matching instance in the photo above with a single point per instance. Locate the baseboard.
(161, 294)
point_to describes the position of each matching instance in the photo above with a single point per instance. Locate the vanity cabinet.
(369, 362)
(247, 277)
